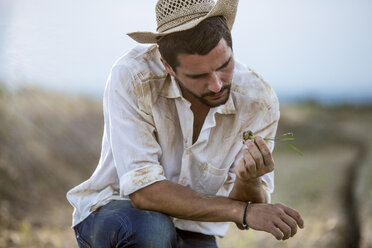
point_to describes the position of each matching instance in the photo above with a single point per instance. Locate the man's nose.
(215, 84)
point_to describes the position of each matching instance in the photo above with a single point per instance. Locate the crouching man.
(173, 170)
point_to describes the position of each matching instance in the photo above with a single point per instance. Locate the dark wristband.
(245, 226)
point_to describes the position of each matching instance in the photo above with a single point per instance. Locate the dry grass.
(50, 143)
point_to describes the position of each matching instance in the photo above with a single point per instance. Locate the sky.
(318, 49)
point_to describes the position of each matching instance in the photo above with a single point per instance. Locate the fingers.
(265, 152)
(284, 229)
(286, 225)
(255, 154)
(276, 232)
(241, 170)
(291, 223)
(295, 215)
(258, 157)
(277, 219)
(288, 221)
(250, 163)
(246, 168)
(257, 160)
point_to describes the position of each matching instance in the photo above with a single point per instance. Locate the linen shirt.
(148, 136)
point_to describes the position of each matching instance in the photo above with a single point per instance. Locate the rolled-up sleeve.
(131, 133)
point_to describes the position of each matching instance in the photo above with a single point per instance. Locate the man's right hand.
(277, 219)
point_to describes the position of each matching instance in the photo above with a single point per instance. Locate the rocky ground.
(50, 142)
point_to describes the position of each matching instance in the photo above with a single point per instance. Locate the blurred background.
(55, 57)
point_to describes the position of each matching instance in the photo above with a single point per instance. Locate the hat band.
(179, 21)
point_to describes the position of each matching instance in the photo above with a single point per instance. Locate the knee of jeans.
(154, 229)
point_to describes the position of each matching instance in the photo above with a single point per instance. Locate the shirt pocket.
(211, 178)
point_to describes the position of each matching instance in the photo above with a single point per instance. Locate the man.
(174, 170)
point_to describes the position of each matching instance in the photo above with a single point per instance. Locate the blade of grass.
(279, 139)
(273, 139)
(296, 149)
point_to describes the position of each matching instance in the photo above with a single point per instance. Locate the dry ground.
(50, 142)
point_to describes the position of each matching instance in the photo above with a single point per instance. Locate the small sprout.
(249, 135)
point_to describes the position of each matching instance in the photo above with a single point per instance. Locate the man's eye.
(198, 76)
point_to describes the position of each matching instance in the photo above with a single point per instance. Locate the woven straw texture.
(179, 15)
(172, 13)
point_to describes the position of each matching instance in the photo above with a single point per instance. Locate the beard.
(203, 98)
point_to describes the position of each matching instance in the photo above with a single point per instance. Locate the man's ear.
(168, 68)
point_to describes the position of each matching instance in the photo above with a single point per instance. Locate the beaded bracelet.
(245, 225)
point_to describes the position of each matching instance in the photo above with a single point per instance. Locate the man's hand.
(277, 219)
(257, 160)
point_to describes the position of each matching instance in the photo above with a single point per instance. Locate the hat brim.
(225, 8)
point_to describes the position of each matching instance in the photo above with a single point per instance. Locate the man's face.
(206, 78)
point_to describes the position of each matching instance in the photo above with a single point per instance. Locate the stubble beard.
(202, 97)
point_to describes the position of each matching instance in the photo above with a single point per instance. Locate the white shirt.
(148, 136)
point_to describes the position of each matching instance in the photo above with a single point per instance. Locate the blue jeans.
(119, 225)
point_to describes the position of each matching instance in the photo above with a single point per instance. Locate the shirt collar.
(170, 88)
(228, 107)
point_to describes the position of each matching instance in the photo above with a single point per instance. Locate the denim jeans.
(118, 224)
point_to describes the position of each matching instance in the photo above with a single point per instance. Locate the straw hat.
(179, 15)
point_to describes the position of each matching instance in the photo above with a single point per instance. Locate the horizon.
(318, 50)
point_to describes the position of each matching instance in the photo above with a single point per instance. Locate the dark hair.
(198, 40)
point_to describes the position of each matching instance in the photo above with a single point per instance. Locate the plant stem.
(252, 137)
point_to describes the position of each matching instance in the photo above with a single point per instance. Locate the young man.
(174, 170)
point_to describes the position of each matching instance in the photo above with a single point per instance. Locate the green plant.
(249, 135)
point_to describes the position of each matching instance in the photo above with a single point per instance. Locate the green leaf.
(279, 139)
(296, 149)
(285, 139)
